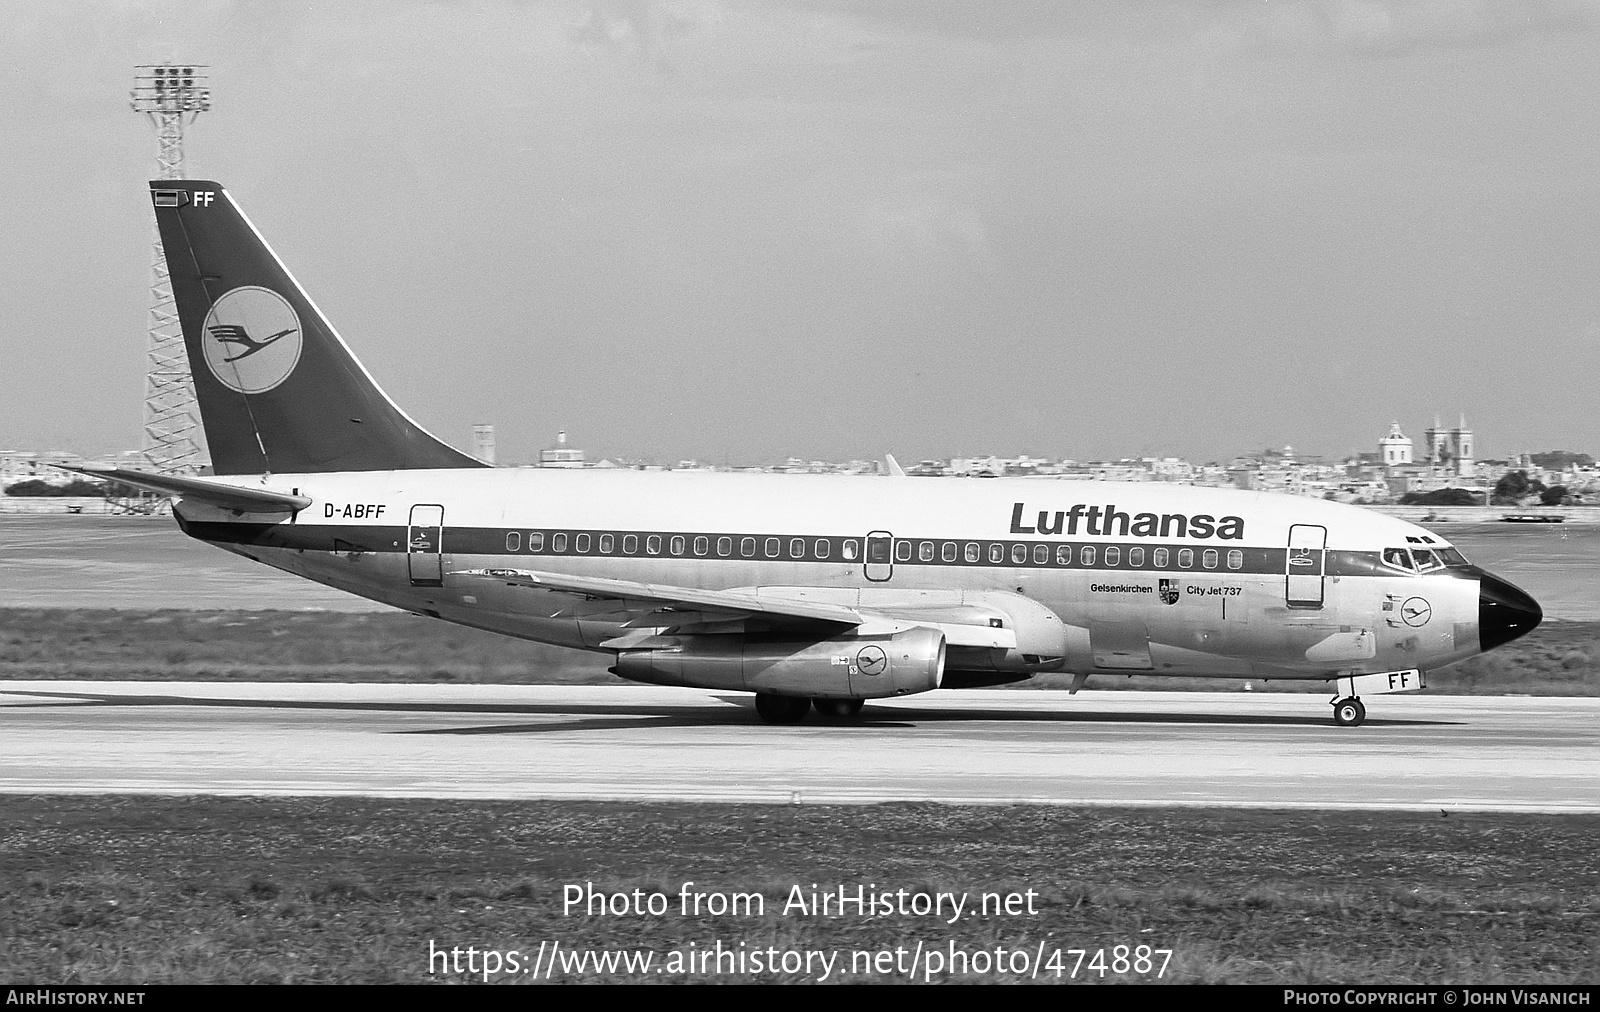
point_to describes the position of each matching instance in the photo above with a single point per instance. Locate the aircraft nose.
(1504, 612)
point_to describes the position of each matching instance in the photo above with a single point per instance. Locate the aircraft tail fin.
(278, 388)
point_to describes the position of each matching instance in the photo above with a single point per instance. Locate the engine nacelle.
(848, 667)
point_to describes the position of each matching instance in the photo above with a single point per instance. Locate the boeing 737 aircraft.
(810, 591)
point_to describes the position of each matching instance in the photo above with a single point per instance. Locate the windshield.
(1423, 560)
(1427, 562)
(1452, 557)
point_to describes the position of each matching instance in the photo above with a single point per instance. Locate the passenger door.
(1305, 565)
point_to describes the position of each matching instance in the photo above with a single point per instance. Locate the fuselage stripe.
(534, 543)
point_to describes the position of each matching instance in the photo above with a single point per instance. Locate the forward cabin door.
(425, 546)
(879, 556)
(1306, 563)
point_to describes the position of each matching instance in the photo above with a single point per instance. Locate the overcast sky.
(744, 231)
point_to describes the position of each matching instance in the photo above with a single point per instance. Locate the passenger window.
(1019, 554)
(972, 554)
(1159, 557)
(1209, 558)
(582, 543)
(702, 545)
(1087, 555)
(925, 552)
(558, 542)
(724, 547)
(513, 541)
(747, 547)
(797, 548)
(1397, 557)
(850, 549)
(822, 547)
(997, 553)
(652, 545)
(1186, 558)
(1235, 559)
(1041, 554)
(677, 544)
(902, 551)
(1064, 555)
(1113, 556)
(1136, 557)
(630, 543)
(536, 541)
(947, 551)
(607, 543)
(774, 547)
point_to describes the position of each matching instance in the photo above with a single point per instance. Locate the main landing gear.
(1348, 712)
(776, 709)
(838, 708)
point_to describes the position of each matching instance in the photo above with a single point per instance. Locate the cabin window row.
(561, 542)
(995, 552)
(1063, 555)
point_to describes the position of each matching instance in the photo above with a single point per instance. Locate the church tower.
(1450, 450)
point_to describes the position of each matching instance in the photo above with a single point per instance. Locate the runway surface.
(495, 741)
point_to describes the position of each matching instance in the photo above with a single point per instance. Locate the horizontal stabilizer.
(240, 499)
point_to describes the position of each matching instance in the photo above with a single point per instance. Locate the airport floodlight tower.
(170, 96)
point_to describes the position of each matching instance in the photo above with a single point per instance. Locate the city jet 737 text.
(817, 591)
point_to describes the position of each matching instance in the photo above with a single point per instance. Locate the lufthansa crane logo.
(1416, 611)
(252, 339)
(872, 661)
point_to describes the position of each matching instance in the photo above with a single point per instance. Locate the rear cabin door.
(1305, 566)
(425, 545)
(879, 557)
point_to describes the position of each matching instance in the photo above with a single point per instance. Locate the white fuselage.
(1146, 577)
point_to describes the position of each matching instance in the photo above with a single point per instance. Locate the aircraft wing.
(724, 604)
(646, 606)
(240, 499)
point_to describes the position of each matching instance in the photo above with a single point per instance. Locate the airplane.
(815, 592)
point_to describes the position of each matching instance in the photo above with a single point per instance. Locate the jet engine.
(847, 667)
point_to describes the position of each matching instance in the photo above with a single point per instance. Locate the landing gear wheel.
(838, 708)
(776, 709)
(1349, 712)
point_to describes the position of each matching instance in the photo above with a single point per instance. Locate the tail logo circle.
(252, 339)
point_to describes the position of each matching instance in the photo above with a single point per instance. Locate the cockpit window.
(1397, 557)
(1452, 557)
(1427, 562)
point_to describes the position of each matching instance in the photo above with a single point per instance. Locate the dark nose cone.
(1504, 612)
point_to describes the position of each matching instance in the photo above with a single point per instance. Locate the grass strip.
(119, 889)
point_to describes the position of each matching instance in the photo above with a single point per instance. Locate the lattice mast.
(171, 96)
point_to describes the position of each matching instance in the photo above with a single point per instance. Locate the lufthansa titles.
(1111, 522)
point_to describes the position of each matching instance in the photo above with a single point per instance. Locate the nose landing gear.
(1348, 712)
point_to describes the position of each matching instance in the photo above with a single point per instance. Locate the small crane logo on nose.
(1416, 612)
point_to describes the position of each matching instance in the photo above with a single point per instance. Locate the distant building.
(483, 443)
(560, 455)
(1450, 450)
(1395, 448)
